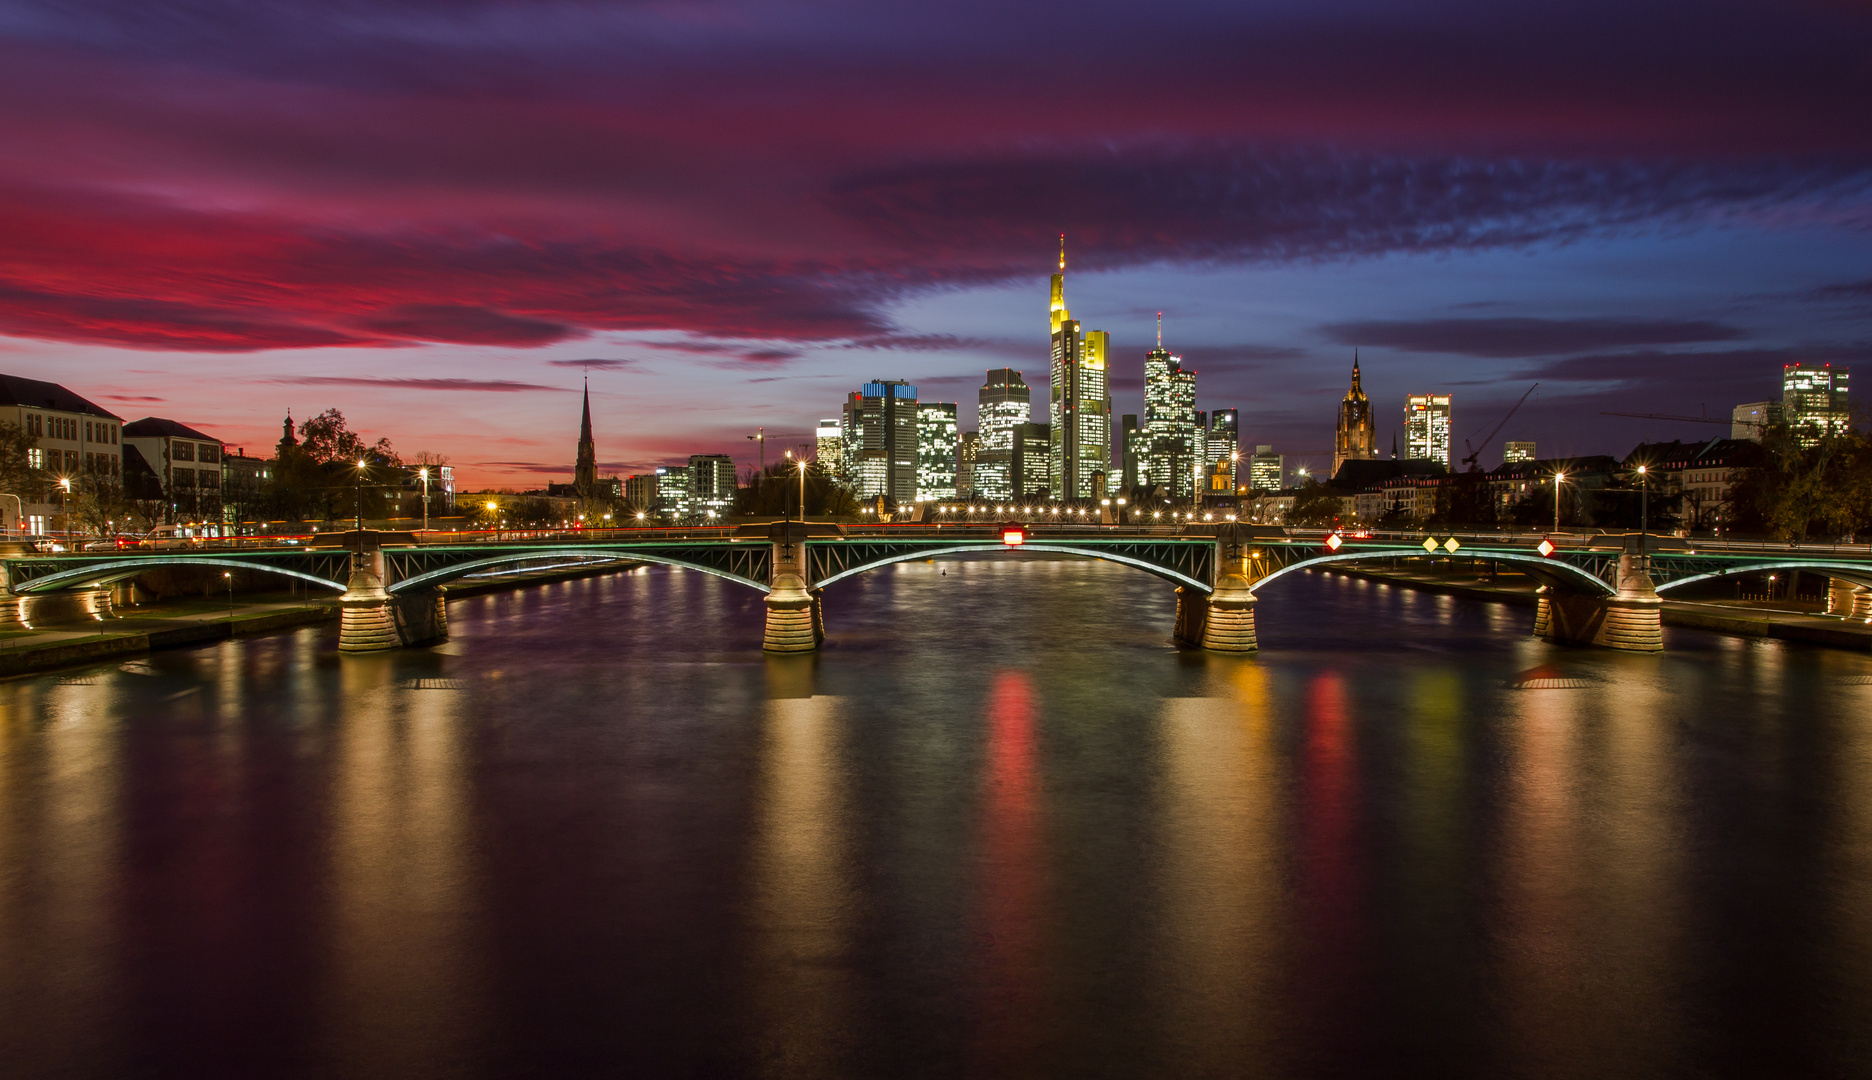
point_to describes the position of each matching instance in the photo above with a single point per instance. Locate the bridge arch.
(1857, 573)
(1545, 570)
(1031, 545)
(430, 579)
(105, 573)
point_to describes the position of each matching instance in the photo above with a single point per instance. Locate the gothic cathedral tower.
(585, 477)
(1357, 437)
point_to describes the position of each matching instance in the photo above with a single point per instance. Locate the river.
(998, 827)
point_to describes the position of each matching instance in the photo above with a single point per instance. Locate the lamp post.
(1644, 505)
(1557, 478)
(361, 467)
(424, 473)
(492, 509)
(228, 576)
(802, 490)
(65, 504)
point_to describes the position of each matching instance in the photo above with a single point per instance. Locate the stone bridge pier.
(370, 618)
(1631, 619)
(1849, 600)
(1222, 620)
(795, 619)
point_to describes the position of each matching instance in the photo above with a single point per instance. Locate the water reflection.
(1010, 971)
(1225, 923)
(402, 994)
(802, 892)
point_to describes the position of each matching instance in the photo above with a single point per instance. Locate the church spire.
(585, 475)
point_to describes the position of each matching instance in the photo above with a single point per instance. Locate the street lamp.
(362, 466)
(1644, 505)
(424, 473)
(493, 509)
(1557, 478)
(228, 575)
(65, 503)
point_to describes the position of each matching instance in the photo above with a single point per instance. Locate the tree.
(326, 438)
(775, 492)
(19, 475)
(1315, 504)
(1799, 490)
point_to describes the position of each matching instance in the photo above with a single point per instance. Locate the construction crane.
(760, 437)
(1689, 419)
(1474, 451)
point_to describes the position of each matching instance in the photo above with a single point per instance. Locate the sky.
(441, 217)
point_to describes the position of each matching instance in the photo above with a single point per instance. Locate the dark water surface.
(998, 828)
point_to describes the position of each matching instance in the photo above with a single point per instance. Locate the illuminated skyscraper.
(968, 452)
(830, 451)
(1813, 401)
(1223, 445)
(880, 425)
(1357, 437)
(1517, 451)
(936, 451)
(1133, 450)
(1170, 432)
(1032, 474)
(1264, 469)
(1079, 409)
(1002, 404)
(1427, 427)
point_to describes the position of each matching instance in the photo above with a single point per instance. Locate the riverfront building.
(169, 461)
(75, 437)
(711, 484)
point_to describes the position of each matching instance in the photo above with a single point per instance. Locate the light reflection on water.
(1000, 826)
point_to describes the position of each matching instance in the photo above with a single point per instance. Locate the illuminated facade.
(1223, 446)
(1427, 428)
(711, 484)
(880, 426)
(1265, 469)
(1514, 451)
(1002, 405)
(968, 453)
(1132, 451)
(1032, 471)
(1079, 409)
(936, 450)
(1170, 434)
(672, 493)
(1357, 436)
(1813, 401)
(829, 450)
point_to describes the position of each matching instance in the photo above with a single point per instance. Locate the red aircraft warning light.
(1334, 541)
(1013, 535)
(1546, 547)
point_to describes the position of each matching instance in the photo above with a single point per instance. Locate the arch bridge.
(1598, 590)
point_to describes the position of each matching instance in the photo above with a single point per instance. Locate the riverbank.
(1740, 620)
(182, 623)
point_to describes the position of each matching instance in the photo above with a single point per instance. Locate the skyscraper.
(936, 450)
(1357, 437)
(1132, 449)
(1224, 443)
(1264, 469)
(1170, 459)
(968, 452)
(585, 474)
(880, 425)
(1079, 410)
(1427, 427)
(1514, 451)
(1033, 459)
(1813, 401)
(1003, 404)
(830, 451)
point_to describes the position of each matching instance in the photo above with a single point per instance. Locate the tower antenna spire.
(1062, 251)
(1160, 329)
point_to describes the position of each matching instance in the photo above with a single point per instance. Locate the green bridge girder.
(1185, 560)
